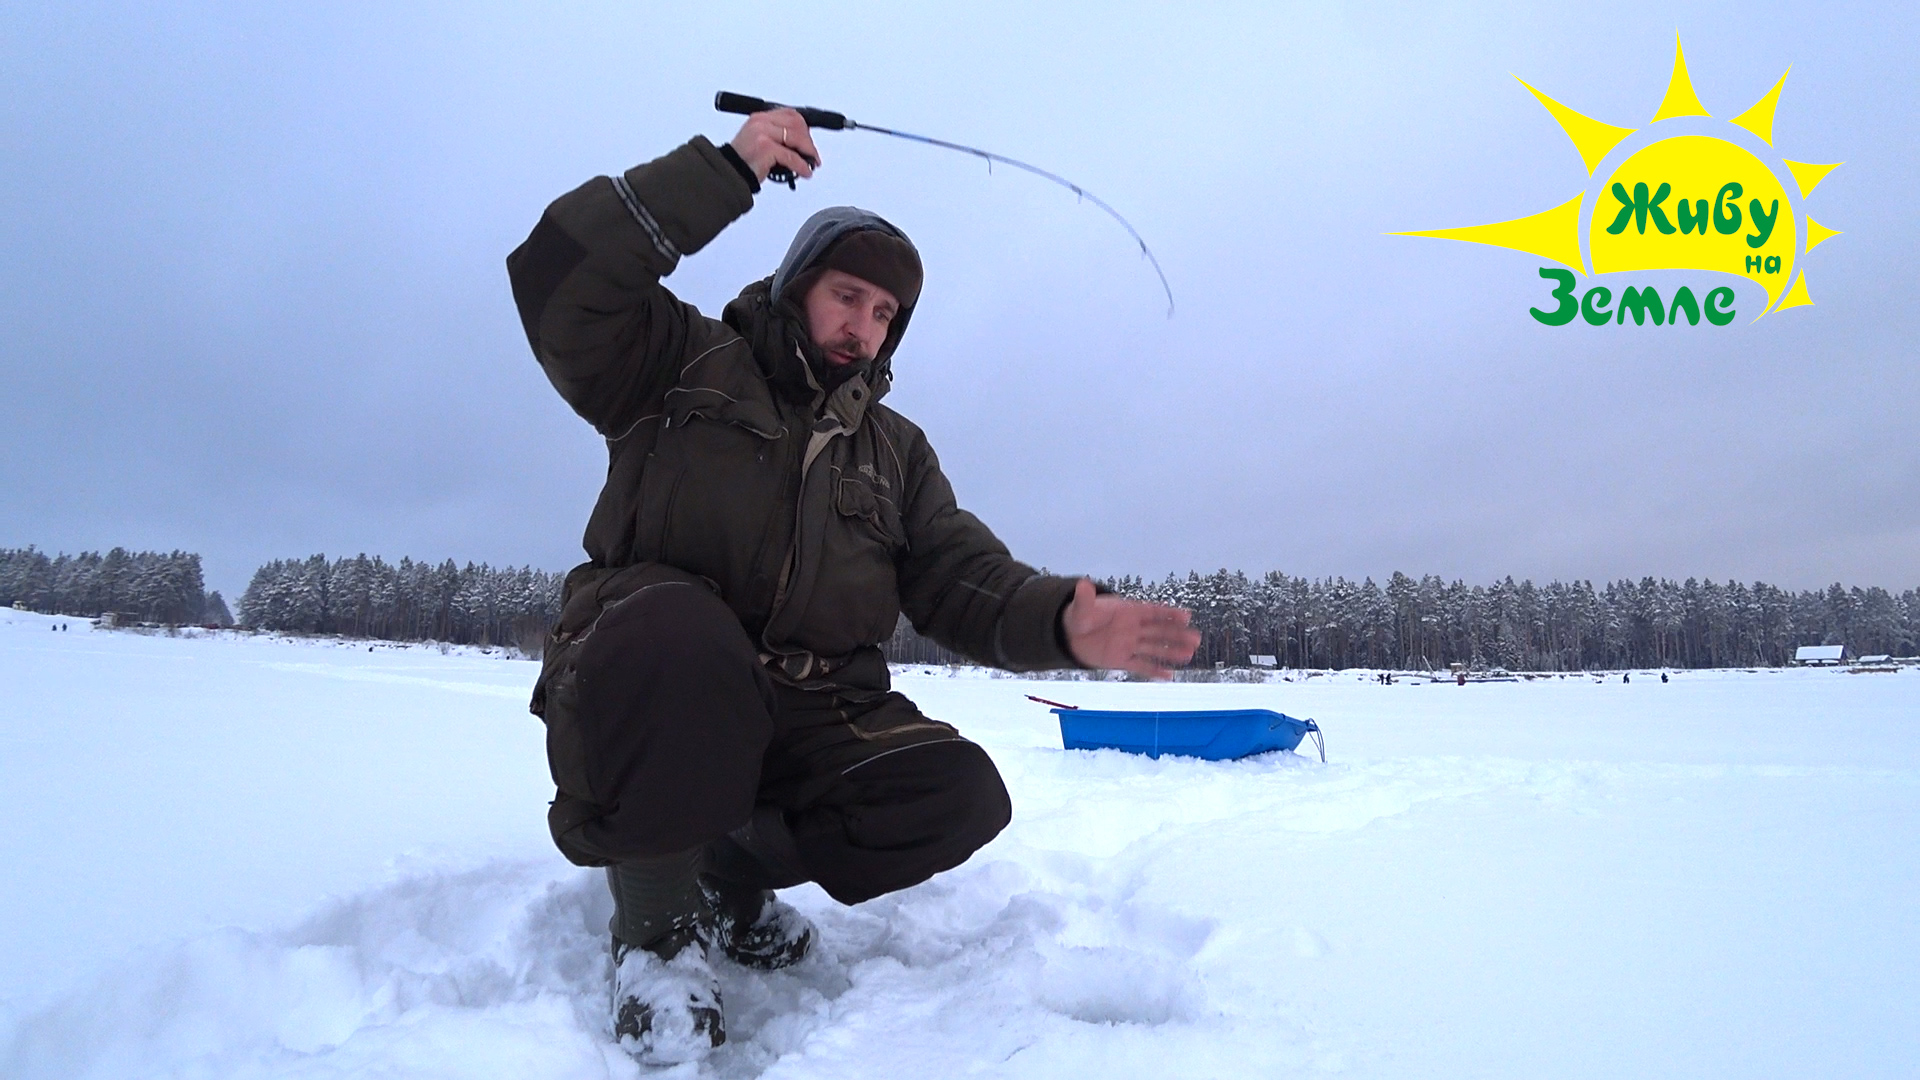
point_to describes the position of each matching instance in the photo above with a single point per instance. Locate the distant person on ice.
(719, 717)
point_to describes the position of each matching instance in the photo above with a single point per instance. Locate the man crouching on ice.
(719, 718)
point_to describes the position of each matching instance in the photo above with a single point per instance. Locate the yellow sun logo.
(1683, 202)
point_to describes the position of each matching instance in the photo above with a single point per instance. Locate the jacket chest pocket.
(756, 418)
(869, 513)
(710, 483)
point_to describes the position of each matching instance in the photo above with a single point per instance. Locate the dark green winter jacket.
(819, 517)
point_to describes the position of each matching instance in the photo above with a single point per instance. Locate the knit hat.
(827, 229)
(879, 257)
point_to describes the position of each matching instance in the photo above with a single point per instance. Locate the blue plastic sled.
(1215, 735)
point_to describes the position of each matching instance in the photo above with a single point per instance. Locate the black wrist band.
(740, 165)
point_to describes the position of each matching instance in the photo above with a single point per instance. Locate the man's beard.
(830, 374)
(850, 346)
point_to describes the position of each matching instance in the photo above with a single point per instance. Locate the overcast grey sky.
(252, 300)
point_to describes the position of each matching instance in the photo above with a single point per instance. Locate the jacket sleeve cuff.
(1029, 636)
(740, 166)
(683, 200)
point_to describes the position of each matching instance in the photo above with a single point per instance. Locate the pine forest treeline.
(1427, 623)
(1406, 624)
(147, 586)
(412, 601)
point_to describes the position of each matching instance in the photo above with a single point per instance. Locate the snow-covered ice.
(246, 857)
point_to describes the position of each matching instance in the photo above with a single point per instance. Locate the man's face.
(848, 317)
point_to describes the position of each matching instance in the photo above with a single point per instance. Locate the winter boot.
(754, 928)
(666, 1009)
(742, 869)
(666, 999)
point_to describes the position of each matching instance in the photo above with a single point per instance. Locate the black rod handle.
(729, 102)
(743, 105)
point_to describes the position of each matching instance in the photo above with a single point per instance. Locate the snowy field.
(235, 857)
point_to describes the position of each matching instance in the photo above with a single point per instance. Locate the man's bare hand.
(776, 137)
(1107, 631)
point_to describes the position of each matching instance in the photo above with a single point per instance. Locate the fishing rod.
(743, 105)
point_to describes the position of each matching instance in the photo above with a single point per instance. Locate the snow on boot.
(666, 1001)
(754, 928)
